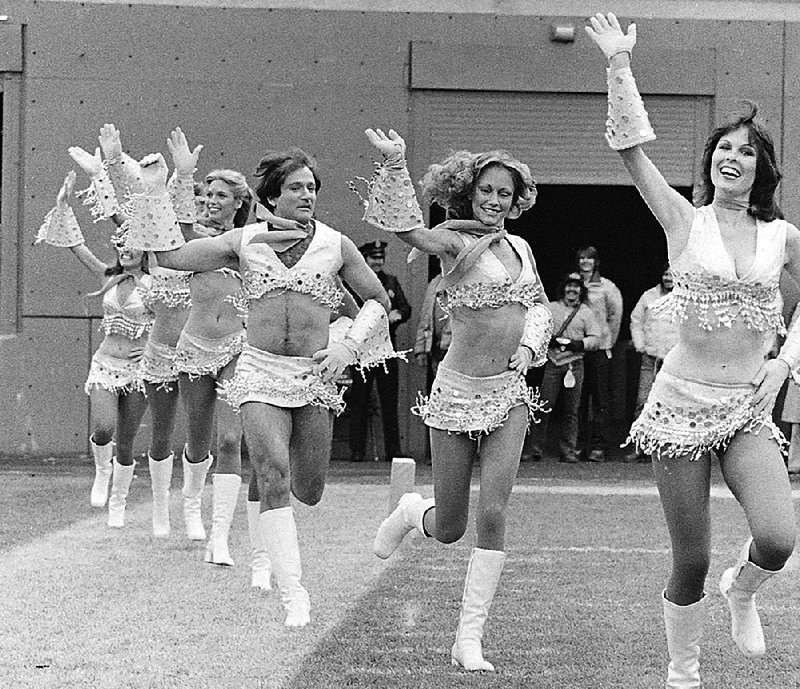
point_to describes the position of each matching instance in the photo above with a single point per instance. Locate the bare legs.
(754, 471)
(290, 451)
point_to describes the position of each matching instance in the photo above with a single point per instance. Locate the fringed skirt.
(203, 356)
(282, 381)
(158, 365)
(463, 404)
(114, 374)
(690, 417)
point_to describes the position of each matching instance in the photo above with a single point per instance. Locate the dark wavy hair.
(763, 205)
(573, 277)
(276, 166)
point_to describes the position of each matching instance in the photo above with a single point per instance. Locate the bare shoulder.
(792, 242)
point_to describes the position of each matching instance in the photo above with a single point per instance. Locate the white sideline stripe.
(613, 490)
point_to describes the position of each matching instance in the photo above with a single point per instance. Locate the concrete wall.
(241, 80)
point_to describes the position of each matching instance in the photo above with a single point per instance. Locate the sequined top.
(131, 319)
(168, 287)
(314, 274)
(707, 287)
(487, 284)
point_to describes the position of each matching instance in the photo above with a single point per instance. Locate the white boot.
(739, 585)
(684, 625)
(120, 485)
(280, 536)
(407, 516)
(194, 478)
(102, 472)
(226, 494)
(483, 573)
(160, 480)
(260, 565)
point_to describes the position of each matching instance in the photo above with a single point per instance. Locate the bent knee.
(774, 551)
(450, 534)
(308, 496)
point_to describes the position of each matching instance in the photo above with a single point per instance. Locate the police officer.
(387, 381)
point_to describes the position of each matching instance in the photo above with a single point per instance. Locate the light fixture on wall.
(562, 33)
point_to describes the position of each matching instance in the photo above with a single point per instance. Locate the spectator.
(385, 377)
(576, 331)
(653, 336)
(605, 301)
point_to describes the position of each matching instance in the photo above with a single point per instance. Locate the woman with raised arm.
(715, 389)
(285, 380)
(208, 348)
(501, 325)
(114, 384)
(168, 298)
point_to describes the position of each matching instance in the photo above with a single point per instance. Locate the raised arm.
(628, 127)
(393, 205)
(181, 184)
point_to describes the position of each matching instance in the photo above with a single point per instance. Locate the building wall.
(241, 80)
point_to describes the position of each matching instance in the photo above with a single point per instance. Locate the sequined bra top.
(168, 287)
(314, 274)
(488, 284)
(707, 287)
(131, 319)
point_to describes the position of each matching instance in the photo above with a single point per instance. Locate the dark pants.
(597, 367)
(358, 408)
(551, 389)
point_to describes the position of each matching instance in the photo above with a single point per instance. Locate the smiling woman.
(500, 326)
(715, 389)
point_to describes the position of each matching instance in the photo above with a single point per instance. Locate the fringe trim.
(315, 393)
(488, 415)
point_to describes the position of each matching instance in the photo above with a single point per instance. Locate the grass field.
(578, 605)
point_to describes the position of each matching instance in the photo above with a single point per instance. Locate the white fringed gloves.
(537, 332)
(100, 196)
(365, 344)
(60, 227)
(391, 205)
(123, 170)
(628, 124)
(181, 184)
(153, 224)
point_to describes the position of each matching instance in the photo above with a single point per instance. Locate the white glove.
(185, 160)
(333, 360)
(154, 173)
(608, 35)
(92, 165)
(62, 200)
(391, 146)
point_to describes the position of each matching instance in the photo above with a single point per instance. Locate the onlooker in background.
(653, 336)
(575, 331)
(605, 301)
(791, 413)
(433, 332)
(385, 377)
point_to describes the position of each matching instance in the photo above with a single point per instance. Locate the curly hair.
(276, 166)
(241, 190)
(451, 182)
(763, 205)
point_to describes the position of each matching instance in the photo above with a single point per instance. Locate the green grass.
(578, 604)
